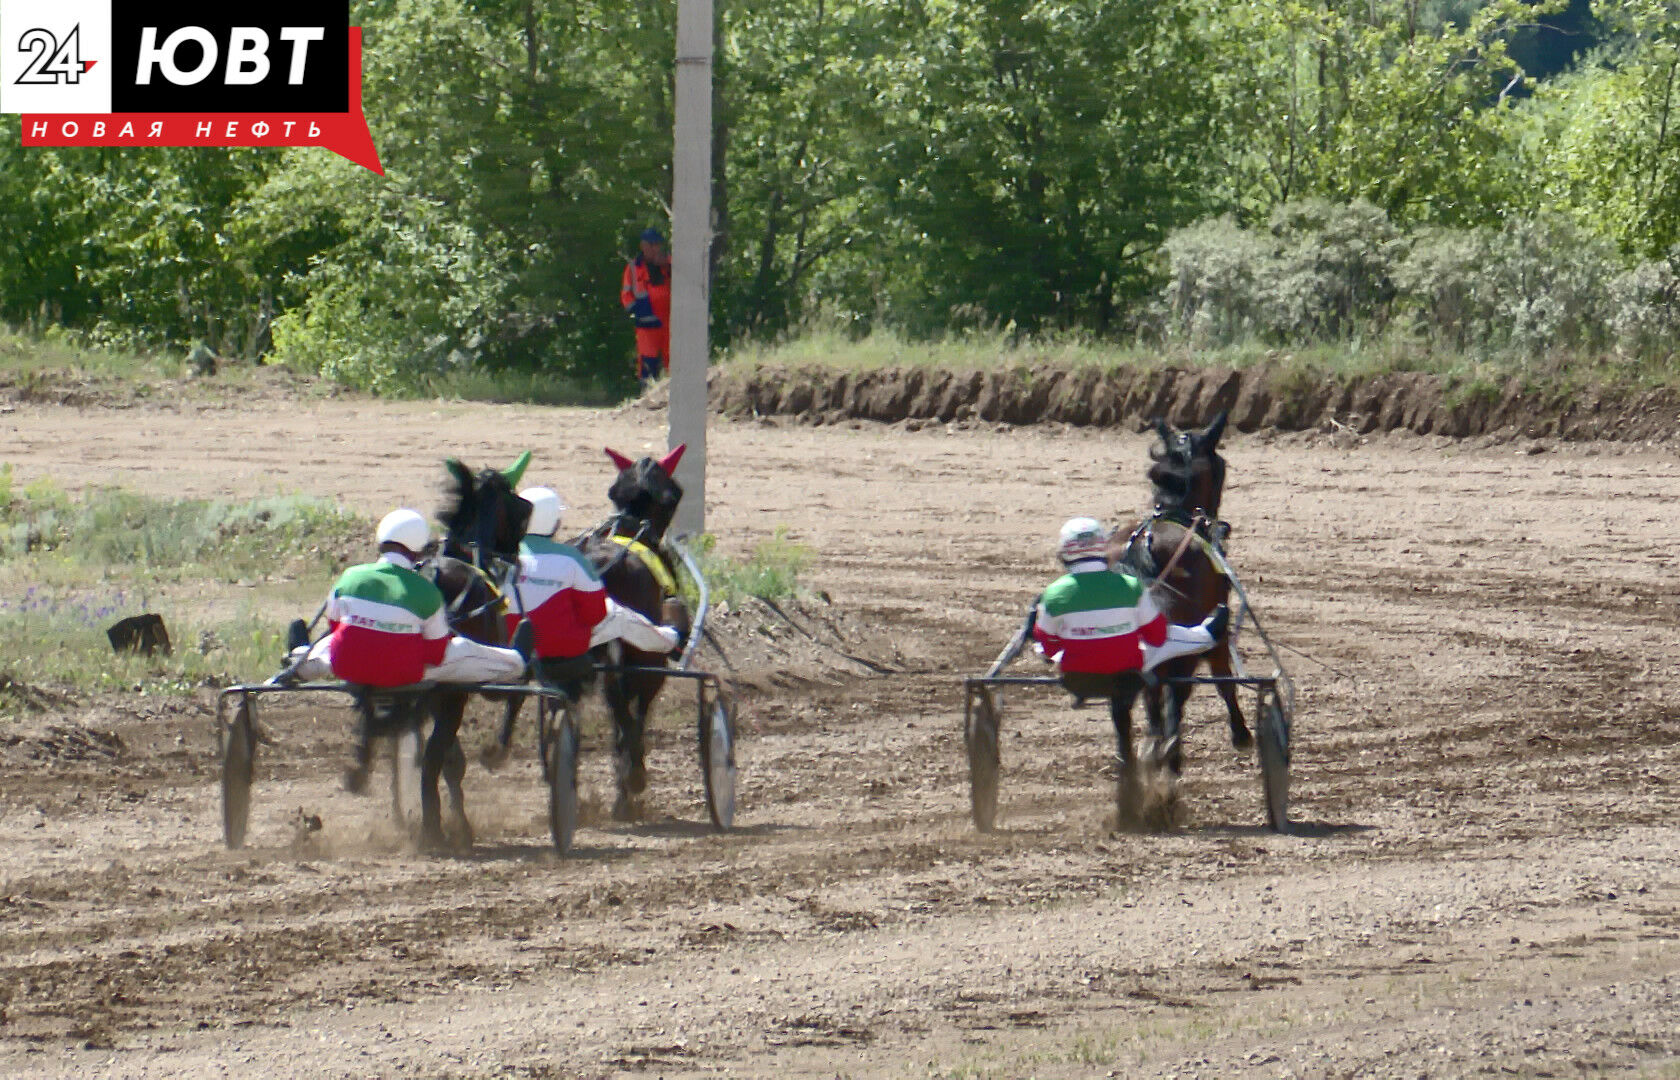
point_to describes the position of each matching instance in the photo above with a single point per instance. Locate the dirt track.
(1485, 880)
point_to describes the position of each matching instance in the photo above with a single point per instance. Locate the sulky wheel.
(1274, 762)
(717, 760)
(560, 758)
(980, 735)
(239, 752)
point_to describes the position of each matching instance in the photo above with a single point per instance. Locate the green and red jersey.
(1096, 620)
(387, 624)
(560, 593)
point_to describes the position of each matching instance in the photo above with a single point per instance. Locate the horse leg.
(495, 754)
(361, 754)
(455, 771)
(446, 726)
(627, 737)
(1128, 790)
(1219, 664)
(1173, 728)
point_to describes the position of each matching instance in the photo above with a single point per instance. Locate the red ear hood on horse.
(669, 461)
(619, 459)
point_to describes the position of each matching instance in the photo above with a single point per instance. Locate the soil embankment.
(1286, 399)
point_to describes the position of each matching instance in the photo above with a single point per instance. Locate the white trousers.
(464, 661)
(1181, 641)
(634, 629)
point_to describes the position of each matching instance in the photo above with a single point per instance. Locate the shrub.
(1319, 271)
(1645, 305)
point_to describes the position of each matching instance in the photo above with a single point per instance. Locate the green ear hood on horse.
(516, 471)
(513, 472)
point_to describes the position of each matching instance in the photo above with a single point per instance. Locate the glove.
(641, 313)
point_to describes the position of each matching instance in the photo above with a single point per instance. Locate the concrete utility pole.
(691, 241)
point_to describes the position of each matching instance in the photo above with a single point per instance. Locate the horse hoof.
(493, 756)
(356, 780)
(623, 809)
(1241, 737)
(636, 780)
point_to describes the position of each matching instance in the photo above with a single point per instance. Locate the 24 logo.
(52, 63)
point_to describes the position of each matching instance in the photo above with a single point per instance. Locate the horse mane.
(468, 502)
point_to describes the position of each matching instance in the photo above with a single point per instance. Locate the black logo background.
(324, 88)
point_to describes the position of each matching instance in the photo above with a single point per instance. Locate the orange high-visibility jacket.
(642, 279)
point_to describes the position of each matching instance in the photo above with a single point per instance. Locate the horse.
(1187, 475)
(484, 519)
(625, 552)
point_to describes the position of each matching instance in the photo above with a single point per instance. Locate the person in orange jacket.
(646, 296)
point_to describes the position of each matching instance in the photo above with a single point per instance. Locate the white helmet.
(546, 509)
(405, 528)
(1081, 538)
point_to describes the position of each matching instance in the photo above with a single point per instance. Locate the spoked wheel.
(239, 752)
(1273, 738)
(980, 735)
(717, 760)
(560, 758)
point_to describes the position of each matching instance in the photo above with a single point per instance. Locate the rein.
(1190, 533)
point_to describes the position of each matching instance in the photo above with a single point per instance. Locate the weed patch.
(771, 572)
(70, 567)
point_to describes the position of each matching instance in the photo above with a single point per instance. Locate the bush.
(1326, 273)
(1319, 271)
(1645, 303)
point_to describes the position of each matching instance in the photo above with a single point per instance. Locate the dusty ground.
(1485, 879)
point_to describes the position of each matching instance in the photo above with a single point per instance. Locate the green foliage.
(1402, 104)
(1031, 158)
(1323, 273)
(1319, 271)
(1604, 141)
(771, 572)
(1646, 303)
(930, 169)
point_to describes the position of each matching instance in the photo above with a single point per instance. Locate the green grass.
(826, 346)
(27, 355)
(771, 572)
(225, 577)
(515, 388)
(46, 361)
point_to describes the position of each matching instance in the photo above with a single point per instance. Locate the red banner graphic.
(345, 134)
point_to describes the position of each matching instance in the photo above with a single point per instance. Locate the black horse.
(625, 550)
(1188, 478)
(484, 519)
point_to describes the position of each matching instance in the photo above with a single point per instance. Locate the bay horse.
(625, 550)
(1187, 475)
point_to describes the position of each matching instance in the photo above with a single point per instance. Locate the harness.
(654, 561)
(495, 604)
(652, 558)
(1198, 529)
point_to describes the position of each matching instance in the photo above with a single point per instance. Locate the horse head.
(1187, 472)
(483, 516)
(644, 490)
